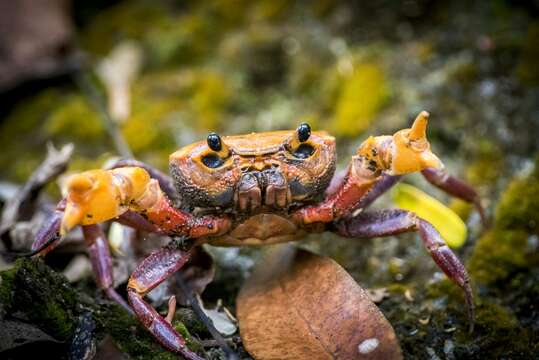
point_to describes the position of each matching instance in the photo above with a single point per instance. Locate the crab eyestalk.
(300, 136)
(216, 144)
(407, 151)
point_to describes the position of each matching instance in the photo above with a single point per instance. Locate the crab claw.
(92, 197)
(411, 149)
(419, 127)
(99, 195)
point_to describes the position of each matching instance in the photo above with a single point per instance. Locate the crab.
(254, 189)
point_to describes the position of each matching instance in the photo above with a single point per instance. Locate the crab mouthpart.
(262, 188)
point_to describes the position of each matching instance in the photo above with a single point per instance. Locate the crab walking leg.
(380, 188)
(157, 267)
(98, 249)
(137, 221)
(393, 222)
(342, 202)
(455, 187)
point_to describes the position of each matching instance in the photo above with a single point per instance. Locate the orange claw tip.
(419, 127)
(72, 217)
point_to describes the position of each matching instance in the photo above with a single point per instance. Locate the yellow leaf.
(445, 220)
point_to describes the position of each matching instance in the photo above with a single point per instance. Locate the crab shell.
(259, 178)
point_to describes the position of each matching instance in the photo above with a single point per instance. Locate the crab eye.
(303, 151)
(304, 131)
(212, 161)
(214, 142)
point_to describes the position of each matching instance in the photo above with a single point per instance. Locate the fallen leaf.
(298, 305)
(222, 321)
(445, 220)
(377, 295)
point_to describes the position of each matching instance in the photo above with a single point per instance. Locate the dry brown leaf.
(298, 305)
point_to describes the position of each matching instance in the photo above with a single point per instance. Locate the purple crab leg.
(165, 182)
(156, 268)
(48, 235)
(455, 187)
(382, 186)
(137, 221)
(98, 249)
(378, 190)
(393, 222)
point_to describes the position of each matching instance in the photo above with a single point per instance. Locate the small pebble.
(448, 349)
(432, 354)
(368, 346)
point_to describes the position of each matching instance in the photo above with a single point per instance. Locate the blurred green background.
(354, 68)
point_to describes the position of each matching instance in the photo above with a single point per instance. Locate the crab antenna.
(419, 127)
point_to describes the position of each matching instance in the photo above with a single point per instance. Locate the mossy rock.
(44, 297)
(487, 162)
(435, 322)
(518, 209)
(505, 248)
(497, 255)
(527, 70)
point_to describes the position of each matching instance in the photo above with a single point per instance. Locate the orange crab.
(255, 189)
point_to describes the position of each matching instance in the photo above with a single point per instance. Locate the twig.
(54, 164)
(92, 93)
(195, 304)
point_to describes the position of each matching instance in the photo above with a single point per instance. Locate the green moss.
(124, 21)
(504, 249)
(76, 119)
(133, 339)
(269, 9)
(437, 315)
(519, 206)
(168, 35)
(130, 337)
(484, 168)
(462, 208)
(498, 334)
(498, 254)
(26, 118)
(362, 93)
(527, 69)
(189, 318)
(191, 343)
(27, 288)
(49, 301)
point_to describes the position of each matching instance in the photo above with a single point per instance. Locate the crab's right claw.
(99, 195)
(92, 197)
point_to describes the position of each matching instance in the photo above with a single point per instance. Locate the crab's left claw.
(411, 149)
